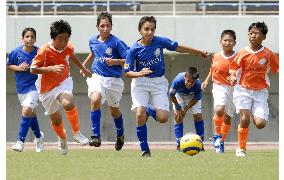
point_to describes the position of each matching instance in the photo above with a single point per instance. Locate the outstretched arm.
(206, 81)
(111, 62)
(189, 50)
(22, 67)
(84, 70)
(142, 73)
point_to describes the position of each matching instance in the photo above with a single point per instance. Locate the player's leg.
(198, 119)
(118, 122)
(226, 126)
(178, 128)
(260, 108)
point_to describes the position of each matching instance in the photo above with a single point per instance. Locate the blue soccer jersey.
(111, 48)
(151, 56)
(178, 86)
(25, 81)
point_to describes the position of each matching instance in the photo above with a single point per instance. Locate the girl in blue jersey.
(19, 61)
(185, 94)
(145, 63)
(108, 54)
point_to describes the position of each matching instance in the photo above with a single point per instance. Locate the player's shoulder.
(93, 38)
(180, 76)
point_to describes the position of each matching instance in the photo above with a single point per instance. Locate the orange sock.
(225, 130)
(72, 117)
(218, 124)
(242, 137)
(59, 129)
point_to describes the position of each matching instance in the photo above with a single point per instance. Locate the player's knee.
(114, 112)
(27, 112)
(260, 124)
(178, 120)
(219, 110)
(163, 118)
(197, 117)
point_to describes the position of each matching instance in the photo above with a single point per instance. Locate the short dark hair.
(146, 19)
(28, 29)
(192, 72)
(104, 15)
(230, 33)
(260, 25)
(59, 27)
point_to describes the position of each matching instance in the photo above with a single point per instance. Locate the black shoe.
(178, 148)
(119, 142)
(146, 154)
(95, 141)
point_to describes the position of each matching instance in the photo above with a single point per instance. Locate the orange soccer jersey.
(47, 55)
(255, 67)
(220, 68)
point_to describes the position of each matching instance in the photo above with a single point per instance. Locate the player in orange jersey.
(222, 89)
(54, 83)
(250, 93)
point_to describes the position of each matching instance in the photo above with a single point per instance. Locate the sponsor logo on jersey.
(109, 51)
(157, 52)
(126, 66)
(262, 62)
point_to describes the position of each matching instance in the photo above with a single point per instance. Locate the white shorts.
(144, 89)
(110, 88)
(184, 100)
(223, 96)
(253, 100)
(29, 99)
(49, 99)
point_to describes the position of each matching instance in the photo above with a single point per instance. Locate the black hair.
(146, 19)
(28, 29)
(192, 72)
(260, 25)
(104, 15)
(59, 27)
(230, 33)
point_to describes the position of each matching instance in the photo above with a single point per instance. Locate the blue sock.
(178, 132)
(119, 126)
(35, 127)
(24, 128)
(95, 122)
(151, 112)
(142, 137)
(199, 127)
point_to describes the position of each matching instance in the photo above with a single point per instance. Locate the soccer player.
(250, 93)
(108, 54)
(185, 94)
(222, 89)
(145, 64)
(19, 61)
(54, 83)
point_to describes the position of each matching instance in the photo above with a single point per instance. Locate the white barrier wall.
(196, 31)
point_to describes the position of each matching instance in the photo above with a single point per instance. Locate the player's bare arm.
(142, 73)
(232, 78)
(111, 62)
(206, 81)
(22, 67)
(179, 115)
(41, 70)
(189, 50)
(84, 70)
(190, 104)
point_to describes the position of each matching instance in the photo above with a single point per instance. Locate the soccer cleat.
(178, 148)
(62, 143)
(39, 143)
(146, 154)
(95, 141)
(241, 152)
(80, 138)
(119, 142)
(220, 149)
(19, 146)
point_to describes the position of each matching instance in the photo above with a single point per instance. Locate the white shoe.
(241, 152)
(80, 138)
(19, 146)
(62, 143)
(39, 143)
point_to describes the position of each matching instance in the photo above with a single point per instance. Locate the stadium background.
(201, 32)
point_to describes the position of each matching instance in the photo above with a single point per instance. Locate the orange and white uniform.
(51, 84)
(222, 89)
(251, 91)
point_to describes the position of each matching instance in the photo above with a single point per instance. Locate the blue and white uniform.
(185, 95)
(154, 85)
(106, 80)
(25, 81)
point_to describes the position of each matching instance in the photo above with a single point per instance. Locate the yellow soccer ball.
(191, 144)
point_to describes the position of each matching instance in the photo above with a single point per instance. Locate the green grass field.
(102, 164)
